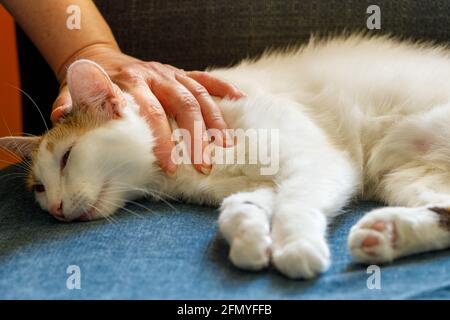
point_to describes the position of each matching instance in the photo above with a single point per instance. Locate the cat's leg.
(385, 234)
(244, 221)
(307, 195)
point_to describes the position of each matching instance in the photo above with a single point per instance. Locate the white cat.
(357, 117)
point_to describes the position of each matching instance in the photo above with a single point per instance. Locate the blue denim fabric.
(176, 254)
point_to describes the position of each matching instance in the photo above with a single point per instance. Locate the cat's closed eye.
(38, 188)
(65, 158)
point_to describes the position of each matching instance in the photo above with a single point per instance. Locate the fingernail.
(206, 169)
(206, 166)
(171, 171)
(207, 156)
(228, 139)
(59, 113)
(171, 174)
(65, 107)
(239, 92)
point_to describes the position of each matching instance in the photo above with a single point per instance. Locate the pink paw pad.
(372, 240)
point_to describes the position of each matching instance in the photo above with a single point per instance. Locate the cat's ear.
(92, 89)
(21, 146)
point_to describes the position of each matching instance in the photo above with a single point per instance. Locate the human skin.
(159, 89)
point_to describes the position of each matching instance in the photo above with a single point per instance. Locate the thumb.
(62, 105)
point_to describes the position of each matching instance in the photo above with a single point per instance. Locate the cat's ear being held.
(91, 89)
(21, 146)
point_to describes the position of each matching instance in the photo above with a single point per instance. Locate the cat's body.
(357, 117)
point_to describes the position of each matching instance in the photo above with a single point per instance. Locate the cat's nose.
(56, 209)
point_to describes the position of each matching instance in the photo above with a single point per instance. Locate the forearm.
(44, 21)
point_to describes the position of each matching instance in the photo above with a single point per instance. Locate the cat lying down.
(355, 116)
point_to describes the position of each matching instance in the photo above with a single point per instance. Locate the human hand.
(161, 89)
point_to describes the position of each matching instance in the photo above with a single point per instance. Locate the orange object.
(10, 102)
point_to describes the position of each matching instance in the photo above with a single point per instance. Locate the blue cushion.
(175, 253)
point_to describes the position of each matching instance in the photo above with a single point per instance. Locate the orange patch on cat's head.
(50, 146)
(77, 123)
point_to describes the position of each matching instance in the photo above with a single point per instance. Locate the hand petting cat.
(161, 89)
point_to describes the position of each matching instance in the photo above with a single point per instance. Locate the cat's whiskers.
(107, 217)
(24, 173)
(14, 174)
(34, 103)
(13, 155)
(149, 191)
(29, 134)
(122, 208)
(140, 205)
(130, 201)
(159, 193)
(22, 159)
(22, 163)
(10, 177)
(17, 164)
(112, 192)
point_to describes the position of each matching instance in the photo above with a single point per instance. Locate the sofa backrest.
(194, 34)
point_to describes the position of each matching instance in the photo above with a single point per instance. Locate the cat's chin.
(94, 214)
(90, 215)
(84, 217)
(101, 208)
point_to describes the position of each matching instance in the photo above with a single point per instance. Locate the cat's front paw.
(373, 239)
(250, 252)
(302, 258)
(246, 227)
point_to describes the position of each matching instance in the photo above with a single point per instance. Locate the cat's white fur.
(357, 116)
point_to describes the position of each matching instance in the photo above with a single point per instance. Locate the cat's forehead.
(51, 146)
(46, 158)
(50, 150)
(76, 123)
(71, 127)
(63, 136)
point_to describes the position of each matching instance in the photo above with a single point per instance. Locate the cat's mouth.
(85, 216)
(95, 209)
